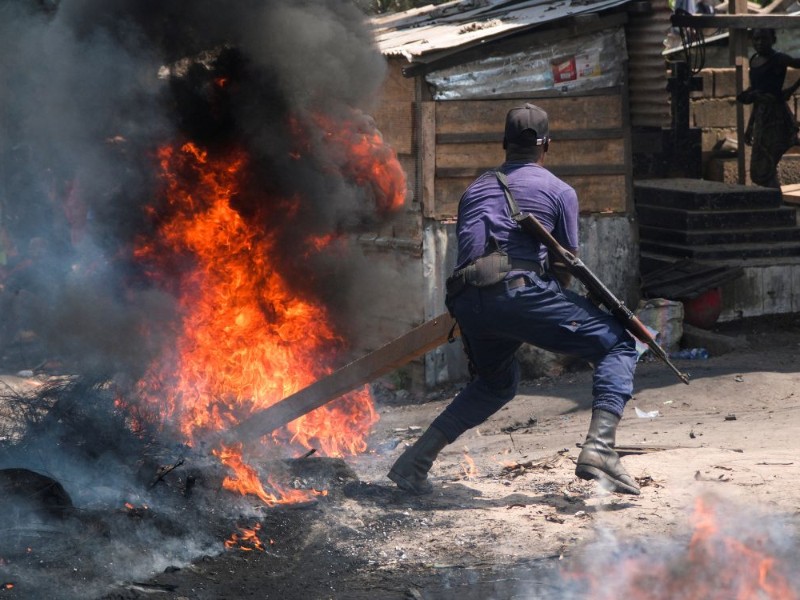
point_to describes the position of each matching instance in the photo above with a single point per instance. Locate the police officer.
(503, 292)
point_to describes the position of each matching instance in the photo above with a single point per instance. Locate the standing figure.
(503, 292)
(772, 129)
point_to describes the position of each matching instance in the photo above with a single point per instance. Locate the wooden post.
(738, 49)
(426, 129)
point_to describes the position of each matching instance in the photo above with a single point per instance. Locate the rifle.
(597, 290)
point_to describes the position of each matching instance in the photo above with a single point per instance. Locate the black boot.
(598, 459)
(410, 471)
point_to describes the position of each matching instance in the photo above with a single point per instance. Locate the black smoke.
(91, 88)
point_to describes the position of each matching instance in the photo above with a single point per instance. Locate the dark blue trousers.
(496, 320)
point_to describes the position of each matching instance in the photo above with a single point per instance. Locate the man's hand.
(559, 271)
(558, 268)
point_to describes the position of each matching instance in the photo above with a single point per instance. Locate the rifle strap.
(522, 220)
(516, 213)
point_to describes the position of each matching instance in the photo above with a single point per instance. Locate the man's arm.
(790, 61)
(565, 232)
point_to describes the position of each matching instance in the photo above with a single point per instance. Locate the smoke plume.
(93, 87)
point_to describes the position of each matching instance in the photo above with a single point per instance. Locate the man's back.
(484, 216)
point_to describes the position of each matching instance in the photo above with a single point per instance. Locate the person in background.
(772, 128)
(504, 291)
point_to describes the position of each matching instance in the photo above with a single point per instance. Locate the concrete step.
(699, 194)
(673, 218)
(722, 251)
(719, 236)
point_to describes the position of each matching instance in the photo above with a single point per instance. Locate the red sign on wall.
(564, 69)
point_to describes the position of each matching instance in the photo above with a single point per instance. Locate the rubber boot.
(598, 459)
(410, 471)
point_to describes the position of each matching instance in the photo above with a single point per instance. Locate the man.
(504, 293)
(772, 129)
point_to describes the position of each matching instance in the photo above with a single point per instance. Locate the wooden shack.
(454, 70)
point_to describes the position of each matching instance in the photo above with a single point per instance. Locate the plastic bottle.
(691, 354)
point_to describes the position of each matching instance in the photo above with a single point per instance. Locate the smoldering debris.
(90, 496)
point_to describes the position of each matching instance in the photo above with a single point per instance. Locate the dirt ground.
(509, 520)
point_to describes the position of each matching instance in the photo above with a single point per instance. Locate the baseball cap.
(526, 126)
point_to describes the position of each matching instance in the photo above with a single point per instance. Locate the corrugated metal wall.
(647, 80)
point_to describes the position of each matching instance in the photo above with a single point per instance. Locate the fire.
(716, 564)
(362, 156)
(247, 481)
(754, 573)
(247, 337)
(247, 540)
(321, 242)
(468, 466)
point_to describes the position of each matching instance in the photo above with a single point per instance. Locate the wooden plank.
(395, 86)
(791, 193)
(496, 137)
(561, 171)
(627, 204)
(395, 121)
(395, 354)
(596, 194)
(736, 21)
(600, 193)
(427, 156)
(562, 155)
(564, 114)
(448, 193)
(468, 142)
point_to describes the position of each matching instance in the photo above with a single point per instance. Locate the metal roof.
(465, 23)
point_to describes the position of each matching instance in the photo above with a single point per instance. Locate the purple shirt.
(483, 214)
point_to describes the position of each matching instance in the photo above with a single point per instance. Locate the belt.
(514, 264)
(456, 284)
(515, 282)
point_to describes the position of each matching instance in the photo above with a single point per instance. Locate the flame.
(246, 540)
(468, 466)
(715, 565)
(754, 573)
(321, 242)
(360, 154)
(247, 338)
(247, 481)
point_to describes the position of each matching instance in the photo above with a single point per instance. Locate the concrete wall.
(764, 289)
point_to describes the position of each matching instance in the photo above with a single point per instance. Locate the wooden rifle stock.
(597, 290)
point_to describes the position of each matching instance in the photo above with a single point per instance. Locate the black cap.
(526, 126)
